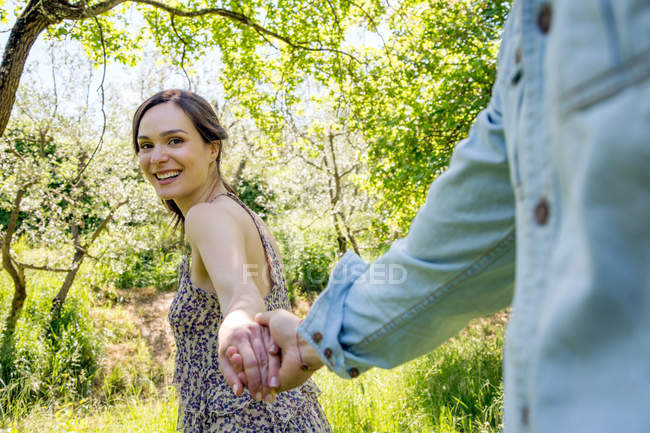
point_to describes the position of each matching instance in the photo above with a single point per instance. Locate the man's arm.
(456, 263)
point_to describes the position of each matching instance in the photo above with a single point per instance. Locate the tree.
(417, 94)
(297, 34)
(49, 196)
(326, 156)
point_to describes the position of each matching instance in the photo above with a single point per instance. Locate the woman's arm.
(219, 238)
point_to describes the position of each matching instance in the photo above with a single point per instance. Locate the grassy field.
(456, 388)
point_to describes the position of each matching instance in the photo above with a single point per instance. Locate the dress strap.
(219, 195)
(269, 253)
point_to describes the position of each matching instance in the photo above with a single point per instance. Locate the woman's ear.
(215, 148)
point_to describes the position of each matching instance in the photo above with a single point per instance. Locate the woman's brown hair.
(202, 116)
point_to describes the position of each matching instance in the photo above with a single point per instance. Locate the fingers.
(237, 364)
(235, 358)
(263, 318)
(230, 375)
(257, 343)
(242, 378)
(283, 327)
(274, 360)
(251, 368)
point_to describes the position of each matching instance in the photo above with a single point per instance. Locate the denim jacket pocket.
(589, 63)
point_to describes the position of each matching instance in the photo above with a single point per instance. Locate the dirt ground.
(149, 309)
(144, 311)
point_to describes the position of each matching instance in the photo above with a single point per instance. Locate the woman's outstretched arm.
(218, 237)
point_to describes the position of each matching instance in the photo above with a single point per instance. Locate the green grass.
(64, 363)
(454, 389)
(64, 383)
(132, 416)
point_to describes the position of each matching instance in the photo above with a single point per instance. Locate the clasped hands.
(264, 355)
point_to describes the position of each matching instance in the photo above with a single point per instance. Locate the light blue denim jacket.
(557, 165)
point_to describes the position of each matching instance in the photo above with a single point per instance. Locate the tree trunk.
(59, 299)
(29, 25)
(15, 270)
(77, 260)
(20, 294)
(240, 170)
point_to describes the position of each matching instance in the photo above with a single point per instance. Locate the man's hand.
(247, 356)
(283, 326)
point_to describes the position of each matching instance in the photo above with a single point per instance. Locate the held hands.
(248, 356)
(299, 359)
(286, 355)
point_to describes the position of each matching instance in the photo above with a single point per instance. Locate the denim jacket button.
(327, 352)
(544, 18)
(542, 212)
(317, 337)
(353, 372)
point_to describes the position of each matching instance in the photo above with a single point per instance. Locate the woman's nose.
(158, 154)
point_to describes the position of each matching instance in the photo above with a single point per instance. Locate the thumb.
(263, 318)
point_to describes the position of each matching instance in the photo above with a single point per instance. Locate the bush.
(310, 273)
(147, 255)
(257, 195)
(46, 361)
(454, 389)
(307, 263)
(150, 267)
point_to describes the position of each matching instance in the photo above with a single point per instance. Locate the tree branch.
(348, 171)
(103, 225)
(42, 268)
(308, 162)
(78, 11)
(189, 82)
(239, 17)
(16, 275)
(100, 89)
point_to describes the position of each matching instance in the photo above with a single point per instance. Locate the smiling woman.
(174, 119)
(178, 140)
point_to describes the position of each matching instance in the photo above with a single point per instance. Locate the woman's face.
(173, 156)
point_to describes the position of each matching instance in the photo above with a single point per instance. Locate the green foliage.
(147, 256)
(72, 354)
(418, 94)
(310, 274)
(46, 361)
(454, 389)
(307, 255)
(153, 266)
(257, 195)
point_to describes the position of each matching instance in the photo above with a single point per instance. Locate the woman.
(233, 274)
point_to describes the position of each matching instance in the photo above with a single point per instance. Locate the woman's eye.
(145, 146)
(175, 141)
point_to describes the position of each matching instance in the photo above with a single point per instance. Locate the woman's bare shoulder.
(221, 218)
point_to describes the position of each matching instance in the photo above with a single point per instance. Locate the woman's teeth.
(167, 175)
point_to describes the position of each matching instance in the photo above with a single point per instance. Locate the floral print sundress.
(207, 404)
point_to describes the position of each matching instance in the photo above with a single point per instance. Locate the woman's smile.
(165, 177)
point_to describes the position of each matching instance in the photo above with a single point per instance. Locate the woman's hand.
(248, 357)
(299, 358)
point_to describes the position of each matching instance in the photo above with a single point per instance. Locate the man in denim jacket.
(557, 165)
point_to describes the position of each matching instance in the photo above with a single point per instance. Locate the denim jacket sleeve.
(456, 263)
